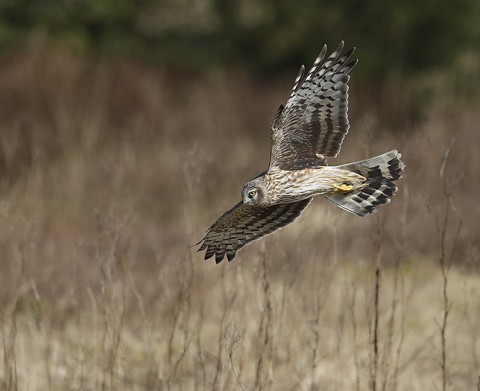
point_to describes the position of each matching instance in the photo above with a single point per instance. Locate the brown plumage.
(310, 127)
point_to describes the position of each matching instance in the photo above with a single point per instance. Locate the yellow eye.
(252, 193)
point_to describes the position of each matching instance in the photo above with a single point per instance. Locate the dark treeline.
(266, 36)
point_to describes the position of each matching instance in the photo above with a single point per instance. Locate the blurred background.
(127, 127)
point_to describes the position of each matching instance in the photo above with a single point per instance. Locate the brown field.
(109, 172)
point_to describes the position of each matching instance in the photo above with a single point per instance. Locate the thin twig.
(265, 329)
(379, 230)
(444, 263)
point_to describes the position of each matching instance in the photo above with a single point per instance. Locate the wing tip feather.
(259, 222)
(340, 47)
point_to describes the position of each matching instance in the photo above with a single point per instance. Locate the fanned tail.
(381, 172)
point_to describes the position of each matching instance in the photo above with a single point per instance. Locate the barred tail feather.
(381, 172)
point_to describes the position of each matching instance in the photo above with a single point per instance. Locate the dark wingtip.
(351, 64)
(218, 258)
(349, 53)
(336, 54)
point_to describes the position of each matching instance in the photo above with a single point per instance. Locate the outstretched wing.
(314, 121)
(243, 224)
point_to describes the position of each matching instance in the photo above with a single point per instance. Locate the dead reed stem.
(445, 261)
(379, 230)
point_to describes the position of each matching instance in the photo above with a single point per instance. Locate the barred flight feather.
(243, 224)
(314, 120)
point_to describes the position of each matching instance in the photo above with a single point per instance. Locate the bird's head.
(253, 193)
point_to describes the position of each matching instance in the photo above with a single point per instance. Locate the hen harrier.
(310, 127)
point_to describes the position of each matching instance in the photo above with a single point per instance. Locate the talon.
(344, 187)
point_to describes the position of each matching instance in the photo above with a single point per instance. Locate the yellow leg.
(343, 187)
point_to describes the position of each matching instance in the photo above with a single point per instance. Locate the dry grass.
(109, 172)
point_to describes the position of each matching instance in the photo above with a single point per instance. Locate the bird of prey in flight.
(305, 131)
